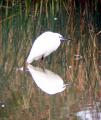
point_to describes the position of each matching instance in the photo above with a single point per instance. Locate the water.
(77, 62)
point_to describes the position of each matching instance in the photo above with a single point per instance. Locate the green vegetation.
(77, 62)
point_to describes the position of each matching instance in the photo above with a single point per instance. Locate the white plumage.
(44, 45)
(46, 80)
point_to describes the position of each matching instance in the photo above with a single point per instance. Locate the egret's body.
(44, 45)
(46, 80)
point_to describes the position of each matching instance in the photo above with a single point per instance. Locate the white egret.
(44, 45)
(46, 80)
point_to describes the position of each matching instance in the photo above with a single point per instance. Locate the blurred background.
(77, 61)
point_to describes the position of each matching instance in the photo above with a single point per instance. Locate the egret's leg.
(42, 62)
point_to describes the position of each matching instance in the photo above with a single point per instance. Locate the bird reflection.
(46, 80)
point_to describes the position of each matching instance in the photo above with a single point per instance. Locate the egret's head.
(52, 35)
(60, 37)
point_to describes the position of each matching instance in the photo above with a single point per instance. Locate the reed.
(76, 62)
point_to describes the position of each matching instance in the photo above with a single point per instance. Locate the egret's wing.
(37, 50)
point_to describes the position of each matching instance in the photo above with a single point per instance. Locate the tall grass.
(76, 62)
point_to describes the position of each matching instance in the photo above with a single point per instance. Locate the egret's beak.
(64, 39)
